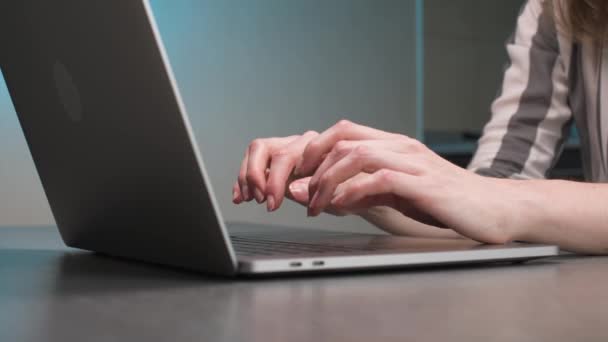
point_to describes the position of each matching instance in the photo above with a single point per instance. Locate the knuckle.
(410, 145)
(416, 145)
(385, 176)
(256, 143)
(361, 151)
(344, 124)
(281, 153)
(312, 147)
(342, 146)
(310, 133)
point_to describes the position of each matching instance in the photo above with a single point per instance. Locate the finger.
(366, 202)
(259, 157)
(259, 154)
(282, 164)
(343, 147)
(361, 159)
(330, 209)
(385, 188)
(340, 150)
(388, 200)
(237, 197)
(242, 179)
(343, 130)
(298, 191)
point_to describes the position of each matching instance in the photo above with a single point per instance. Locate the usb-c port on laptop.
(295, 264)
(318, 263)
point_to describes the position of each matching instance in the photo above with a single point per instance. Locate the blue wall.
(249, 68)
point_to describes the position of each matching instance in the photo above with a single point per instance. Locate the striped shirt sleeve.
(531, 116)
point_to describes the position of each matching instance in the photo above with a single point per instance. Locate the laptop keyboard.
(259, 247)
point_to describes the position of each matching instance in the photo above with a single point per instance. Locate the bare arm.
(569, 214)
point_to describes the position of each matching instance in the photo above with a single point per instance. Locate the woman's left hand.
(402, 173)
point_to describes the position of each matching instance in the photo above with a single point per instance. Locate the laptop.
(112, 144)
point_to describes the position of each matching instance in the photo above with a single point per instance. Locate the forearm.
(394, 222)
(569, 214)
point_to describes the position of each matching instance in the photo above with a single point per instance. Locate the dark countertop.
(49, 292)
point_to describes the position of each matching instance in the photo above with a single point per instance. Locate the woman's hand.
(266, 172)
(404, 174)
(354, 169)
(298, 192)
(267, 168)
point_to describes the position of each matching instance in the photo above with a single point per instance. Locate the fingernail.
(313, 202)
(235, 196)
(246, 193)
(270, 205)
(297, 188)
(259, 197)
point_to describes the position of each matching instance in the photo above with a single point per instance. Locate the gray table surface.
(52, 293)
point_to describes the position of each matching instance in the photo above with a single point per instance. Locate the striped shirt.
(550, 82)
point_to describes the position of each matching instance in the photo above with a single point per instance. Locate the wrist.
(530, 201)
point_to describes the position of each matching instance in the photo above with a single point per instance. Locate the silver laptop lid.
(108, 132)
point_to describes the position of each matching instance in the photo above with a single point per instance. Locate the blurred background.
(256, 68)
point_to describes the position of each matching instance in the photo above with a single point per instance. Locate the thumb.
(298, 191)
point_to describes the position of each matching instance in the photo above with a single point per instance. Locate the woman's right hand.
(267, 168)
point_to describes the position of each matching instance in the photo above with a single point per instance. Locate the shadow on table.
(70, 295)
(79, 272)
